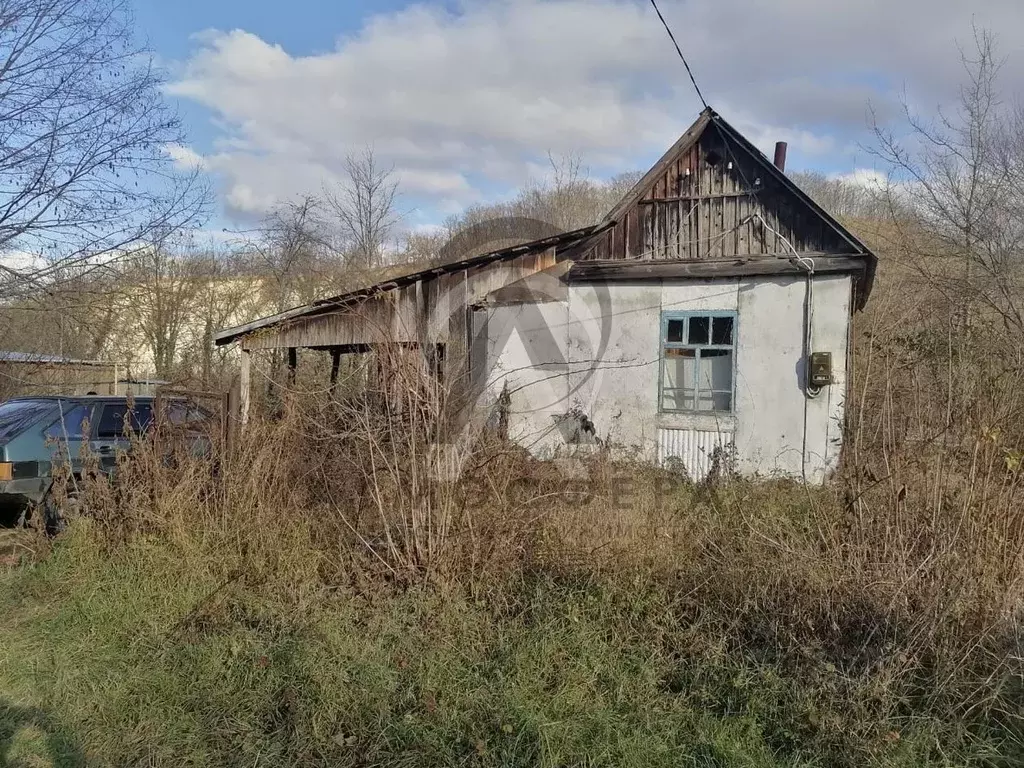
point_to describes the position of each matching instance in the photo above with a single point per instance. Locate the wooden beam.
(757, 266)
(335, 367)
(696, 198)
(243, 388)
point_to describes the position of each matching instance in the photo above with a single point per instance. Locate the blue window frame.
(698, 361)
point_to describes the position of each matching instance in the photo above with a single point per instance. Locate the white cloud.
(868, 178)
(185, 158)
(465, 103)
(22, 261)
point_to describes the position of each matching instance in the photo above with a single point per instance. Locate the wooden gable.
(715, 196)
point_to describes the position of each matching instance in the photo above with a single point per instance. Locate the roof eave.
(615, 270)
(229, 335)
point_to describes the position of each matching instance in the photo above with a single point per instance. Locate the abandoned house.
(707, 318)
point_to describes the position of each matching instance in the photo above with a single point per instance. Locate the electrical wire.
(804, 261)
(725, 142)
(680, 52)
(810, 392)
(711, 240)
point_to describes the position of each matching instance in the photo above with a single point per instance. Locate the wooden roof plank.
(229, 335)
(755, 266)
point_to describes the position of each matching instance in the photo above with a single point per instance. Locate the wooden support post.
(335, 367)
(243, 388)
(438, 370)
(228, 428)
(293, 364)
(476, 325)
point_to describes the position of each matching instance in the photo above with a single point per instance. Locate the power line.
(703, 101)
(680, 52)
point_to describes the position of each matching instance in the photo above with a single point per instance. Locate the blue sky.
(466, 99)
(302, 26)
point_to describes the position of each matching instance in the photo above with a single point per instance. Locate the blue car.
(39, 434)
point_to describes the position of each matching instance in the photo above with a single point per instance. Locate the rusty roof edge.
(228, 335)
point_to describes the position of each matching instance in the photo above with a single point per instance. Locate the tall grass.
(330, 592)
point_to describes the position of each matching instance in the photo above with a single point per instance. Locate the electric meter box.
(820, 369)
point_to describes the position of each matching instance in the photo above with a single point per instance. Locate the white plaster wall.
(599, 352)
(615, 360)
(526, 355)
(770, 403)
(619, 324)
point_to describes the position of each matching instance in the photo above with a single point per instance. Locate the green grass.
(153, 657)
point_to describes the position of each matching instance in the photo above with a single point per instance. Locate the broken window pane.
(715, 369)
(721, 330)
(714, 377)
(699, 330)
(677, 400)
(714, 401)
(675, 331)
(680, 366)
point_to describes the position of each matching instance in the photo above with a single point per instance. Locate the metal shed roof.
(35, 357)
(327, 305)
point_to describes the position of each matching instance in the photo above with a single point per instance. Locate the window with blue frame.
(698, 361)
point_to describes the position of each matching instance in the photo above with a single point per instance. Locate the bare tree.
(292, 252)
(84, 137)
(957, 194)
(224, 297)
(365, 209)
(566, 199)
(162, 294)
(955, 243)
(842, 197)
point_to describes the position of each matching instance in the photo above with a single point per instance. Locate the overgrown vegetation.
(328, 595)
(338, 591)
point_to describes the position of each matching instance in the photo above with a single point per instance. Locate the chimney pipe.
(780, 155)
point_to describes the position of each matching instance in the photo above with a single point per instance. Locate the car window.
(70, 426)
(111, 424)
(18, 415)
